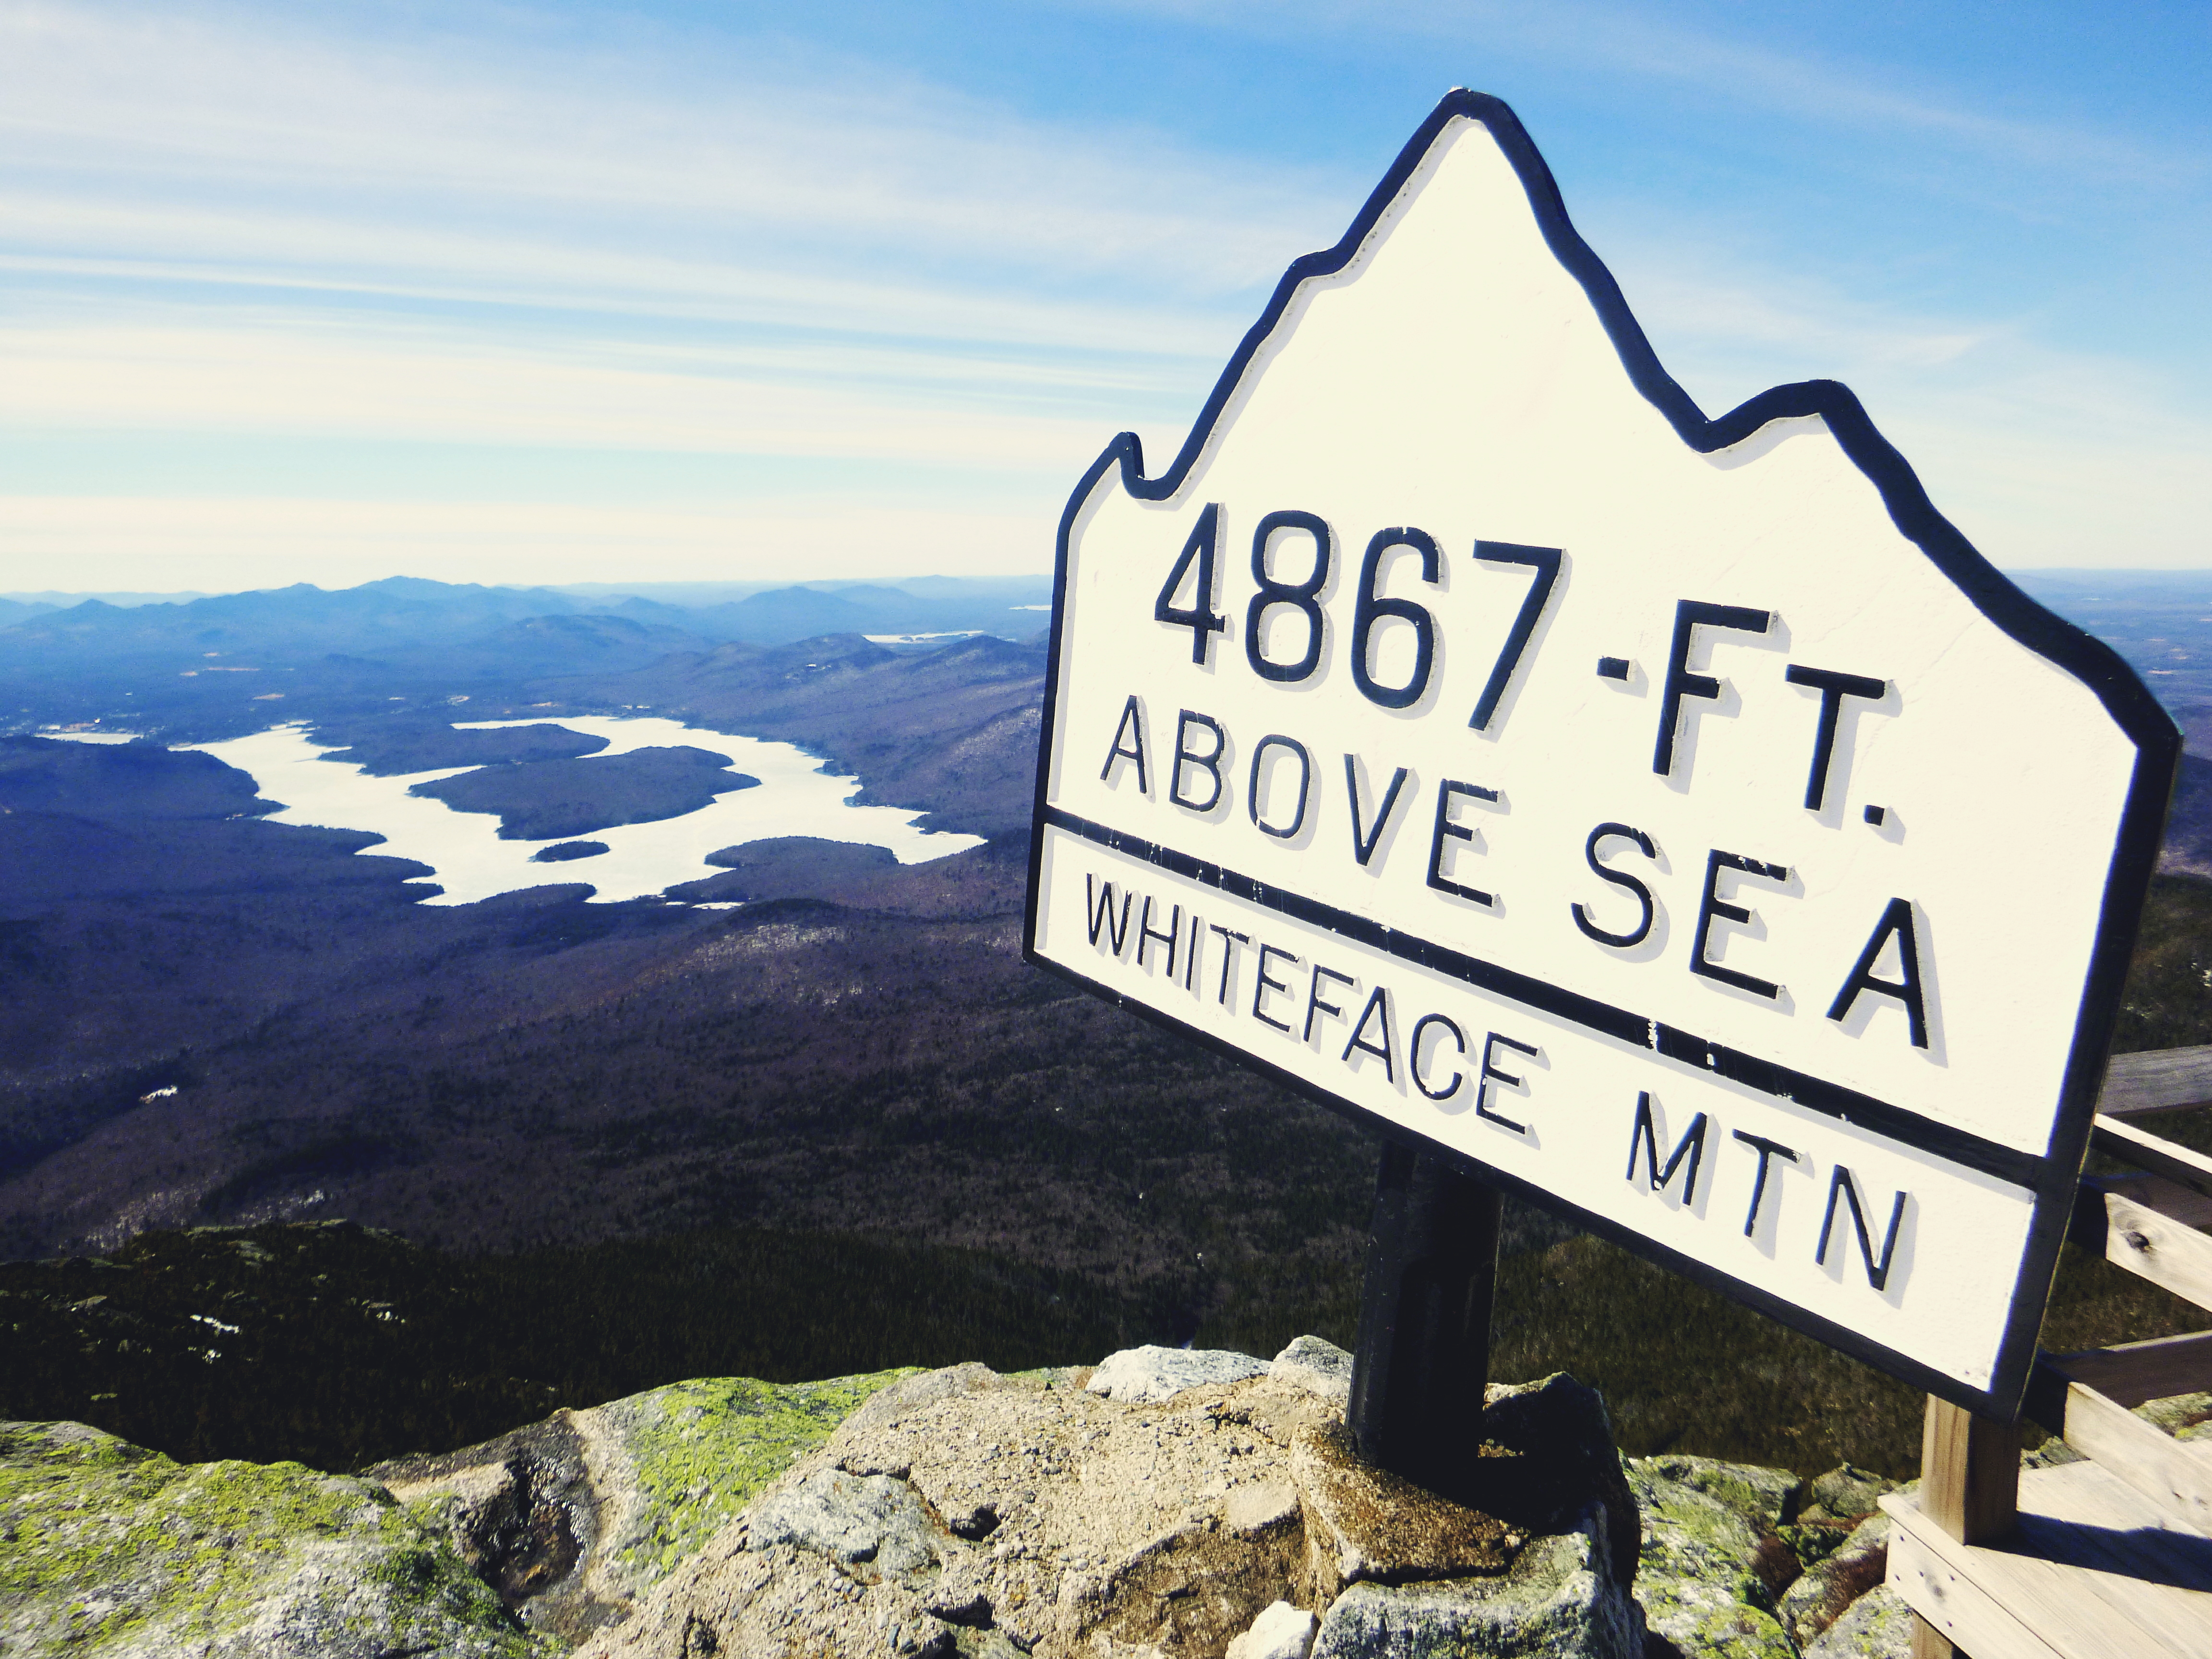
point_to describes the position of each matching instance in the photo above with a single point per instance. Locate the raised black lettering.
(1413, 1056)
(1305, 784)
(1199, 615)
(1691, 1147)
(1146, 931)
(1230, 941)
(1101, 906)
(1716, 908)
(1768, 1151)
(1209, 762)
(1315, 1006)
(1619, 878)
(1372, 608)
(1447, 791)
(1131, 726)
(1491, 1074)
(1545, 561)
(1364, 842)
(1378, 1007)
(1834, 688)
(1264, 985)
(1840, 1185)
(1690, 614)
(1896, 922)
(1303, 597)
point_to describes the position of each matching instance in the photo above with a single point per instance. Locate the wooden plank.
(1969, 1472)
(2135, 1237)
(1926, 1642)
(2174, 1475)
(2114, 1530)
(2169, 1197)
(2157, 1080)
(2092, 1571)
(2124, 1558)
(2161, 1156)
(2131, 1372)
(1959, 1612)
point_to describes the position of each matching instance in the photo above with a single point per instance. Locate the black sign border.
(2142, 822)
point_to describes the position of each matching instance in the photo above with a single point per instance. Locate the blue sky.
(515, 293)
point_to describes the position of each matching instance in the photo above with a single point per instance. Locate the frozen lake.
(471, 862)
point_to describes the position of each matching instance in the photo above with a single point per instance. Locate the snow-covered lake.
(471, 862)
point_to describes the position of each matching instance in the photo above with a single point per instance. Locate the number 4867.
(1196, 571)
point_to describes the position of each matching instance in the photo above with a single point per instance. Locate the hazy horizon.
(65, 598)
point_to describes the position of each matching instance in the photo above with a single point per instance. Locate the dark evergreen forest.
(586, 1149)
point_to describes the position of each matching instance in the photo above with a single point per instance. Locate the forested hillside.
(216, 1019)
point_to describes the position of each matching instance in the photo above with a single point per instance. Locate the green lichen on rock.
(1847, 1492)
(1699, 1578)
(1832, 1585)
(116, 1551)
(700, 1451)
(1560, 1600)
(2184, 1416)
(1878, 1625)
(1764, 1497)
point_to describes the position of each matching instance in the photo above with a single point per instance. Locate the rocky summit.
(1161, 1505)
(1164, 1504)
(571, 1519)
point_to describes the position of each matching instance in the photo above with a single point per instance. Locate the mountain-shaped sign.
(1675, 819)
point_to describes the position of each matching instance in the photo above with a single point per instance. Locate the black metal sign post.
(1423, 1360)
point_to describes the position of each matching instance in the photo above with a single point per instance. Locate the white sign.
(1676, 818)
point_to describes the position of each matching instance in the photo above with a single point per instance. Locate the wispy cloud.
(383, 378)
(1828, 90)
(159, 544)
(2042, 454)
(249, 221)
(140, 105)
(1803, 83)
(228, 225)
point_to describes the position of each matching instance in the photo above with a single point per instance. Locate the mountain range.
(211, 1018)
(222, 665)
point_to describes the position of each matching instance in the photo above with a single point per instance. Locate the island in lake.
(547, 799)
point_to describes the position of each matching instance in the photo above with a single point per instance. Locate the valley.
(221, 1015)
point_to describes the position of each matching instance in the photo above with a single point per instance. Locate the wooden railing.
(2160, 1080)
(2109, 1558)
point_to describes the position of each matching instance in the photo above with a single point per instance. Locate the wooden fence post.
(1969, 1487)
